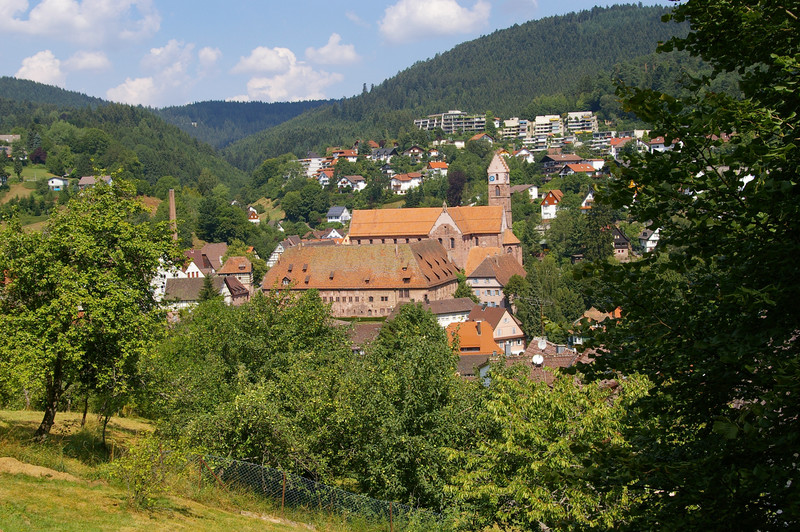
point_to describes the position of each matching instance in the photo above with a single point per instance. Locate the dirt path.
(15, 467)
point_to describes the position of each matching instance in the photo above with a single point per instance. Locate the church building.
(457, 229)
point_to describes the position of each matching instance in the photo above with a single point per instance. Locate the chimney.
(173, 216)
(478, 326)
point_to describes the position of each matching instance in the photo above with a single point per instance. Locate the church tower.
(500, 186)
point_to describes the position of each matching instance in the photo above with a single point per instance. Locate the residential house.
(402, 183)
(185, 293)
(437, 168)
(531, 190)
(252, 217)
(415, 153)
(648, 239)
(282, 246)
(201, 262)
(361, 281)
(552, 163)
(506, 329)
(322, 234)
(474, 338)
(622, 244)
(549, 205)
(354, 182)
(588, 200)
(57, 184)
(349, 155)
(526, 155)
(482, 136)
(214, 251)
(434, 153)
(324, 177)
(446, 311)
(490, 277)
(383, 155)
(239, 267)
(90, 181)
(659, 145)
(578, 168)
(542, 357)
(339, 214)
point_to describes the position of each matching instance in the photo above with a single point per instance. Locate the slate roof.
(468, 365)
(380, 266)
(520, 188)
(188, 289)
(336, 211)
(215, 251)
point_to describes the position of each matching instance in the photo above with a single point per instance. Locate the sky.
(160, 53)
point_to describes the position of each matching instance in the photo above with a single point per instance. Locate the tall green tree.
(546, 455)
(77, 303)
(712, 315)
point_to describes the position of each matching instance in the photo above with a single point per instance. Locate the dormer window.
(286, 281)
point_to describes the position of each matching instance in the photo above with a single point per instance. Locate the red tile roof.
(380, 266)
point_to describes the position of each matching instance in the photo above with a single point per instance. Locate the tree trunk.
(85, 410)
(53, 393)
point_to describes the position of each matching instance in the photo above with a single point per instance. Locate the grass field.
(78, 493)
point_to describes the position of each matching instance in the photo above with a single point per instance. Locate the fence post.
(283, 494)
(200, 473)
(391, 521)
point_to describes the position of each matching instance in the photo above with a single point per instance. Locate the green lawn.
(95, 500)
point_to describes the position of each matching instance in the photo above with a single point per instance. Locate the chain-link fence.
(293, 491)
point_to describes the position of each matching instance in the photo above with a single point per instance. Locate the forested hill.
(502, 72)
(113, 136)
(23, 90)
(220, 123)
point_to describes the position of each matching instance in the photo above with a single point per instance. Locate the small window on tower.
(496, 191)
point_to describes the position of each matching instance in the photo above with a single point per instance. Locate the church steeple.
(500, 186)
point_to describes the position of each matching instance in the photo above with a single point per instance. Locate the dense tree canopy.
(712, 316)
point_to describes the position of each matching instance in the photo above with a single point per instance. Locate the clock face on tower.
(491, 178)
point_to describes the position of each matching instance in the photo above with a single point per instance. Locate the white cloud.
(355, 19)
(408, 20)
(300, 82)
(263, 59)
(43, 67)
(89, 22)
(84, 60)
(333, 53)
(208, 57)
(174, 56)
(135, 91)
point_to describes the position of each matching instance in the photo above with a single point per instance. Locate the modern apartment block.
(452, 121)
(581, 122)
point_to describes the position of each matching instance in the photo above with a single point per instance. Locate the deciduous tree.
(77, 304)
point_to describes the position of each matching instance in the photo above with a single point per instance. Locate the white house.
(355, 182)
(649, 239)
(57, 184)
(402, 183)
(549, 205)
(338, 214)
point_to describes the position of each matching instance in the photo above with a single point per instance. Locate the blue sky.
(173, 52)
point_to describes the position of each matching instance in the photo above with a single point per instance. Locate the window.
(452, 243)
(476, 240)
(371, 299)
(496, 191)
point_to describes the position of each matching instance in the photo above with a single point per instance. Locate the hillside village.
(367, 263)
